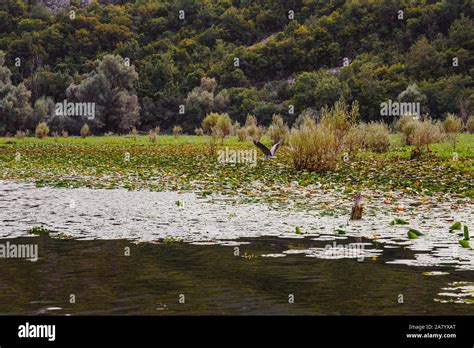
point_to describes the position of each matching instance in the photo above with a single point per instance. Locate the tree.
(424, 60)
(111, 87)
(412, 94)
(17, 108)
(318, 89)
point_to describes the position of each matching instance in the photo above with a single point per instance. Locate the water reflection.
(214, 280)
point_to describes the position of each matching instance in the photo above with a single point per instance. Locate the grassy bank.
(188, 163)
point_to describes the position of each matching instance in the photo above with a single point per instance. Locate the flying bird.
(357, 208)
(268, 153)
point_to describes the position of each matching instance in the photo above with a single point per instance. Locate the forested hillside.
(266, 56)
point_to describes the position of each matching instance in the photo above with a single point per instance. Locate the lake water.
(225, 257)
(214, 280)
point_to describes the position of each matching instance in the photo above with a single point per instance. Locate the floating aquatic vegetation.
(62, 235)
(457, 292)
(456, 226)
(398, 221)
(414, 234)
(222, 219)
(40, 231)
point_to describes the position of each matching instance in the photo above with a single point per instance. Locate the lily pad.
(40, 231)
(399, 221)
(414, 232)
(456, 226)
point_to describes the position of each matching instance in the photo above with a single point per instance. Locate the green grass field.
(188, 163)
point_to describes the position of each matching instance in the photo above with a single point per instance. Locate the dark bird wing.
(263, 148)
(275, 148)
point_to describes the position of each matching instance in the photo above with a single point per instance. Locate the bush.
(209, 122)
(224, 124)
(235, 128)
(452, 126)
(278, 130)
(152, 135)
(252, 130)
(199, 131)
(177, 131)
(425, 133)
(339, 119)
(314, 147)
(304, 116)
(20, 134)
(85, 131)
(42, 130)
(133, 134)
(251, 120)
(354, 139)
(406, 126)
(470, 124)
(242, 134)
(377, 137)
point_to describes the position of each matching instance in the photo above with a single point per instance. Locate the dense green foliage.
(253, 50)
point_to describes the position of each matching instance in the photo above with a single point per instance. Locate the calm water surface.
(216, 281)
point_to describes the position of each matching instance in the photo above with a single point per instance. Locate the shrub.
(406, 126)
(209, 122)
(278, 130)
(470, 124)
(235, 128)
(452, 126)
(177, 131)
(252, 130)
(224, 124)
(20, 134)
(242, 134)
(42, 130)
(250, 120)
(402, 122)
(152, 135)
(85, 131)
(377, 137)
(354, 139)
(314, 147)
(199, 131)
(425, 133)
(304, 116)
(133, 134)
(339, 119)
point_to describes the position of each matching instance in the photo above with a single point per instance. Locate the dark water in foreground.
(214, 281)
